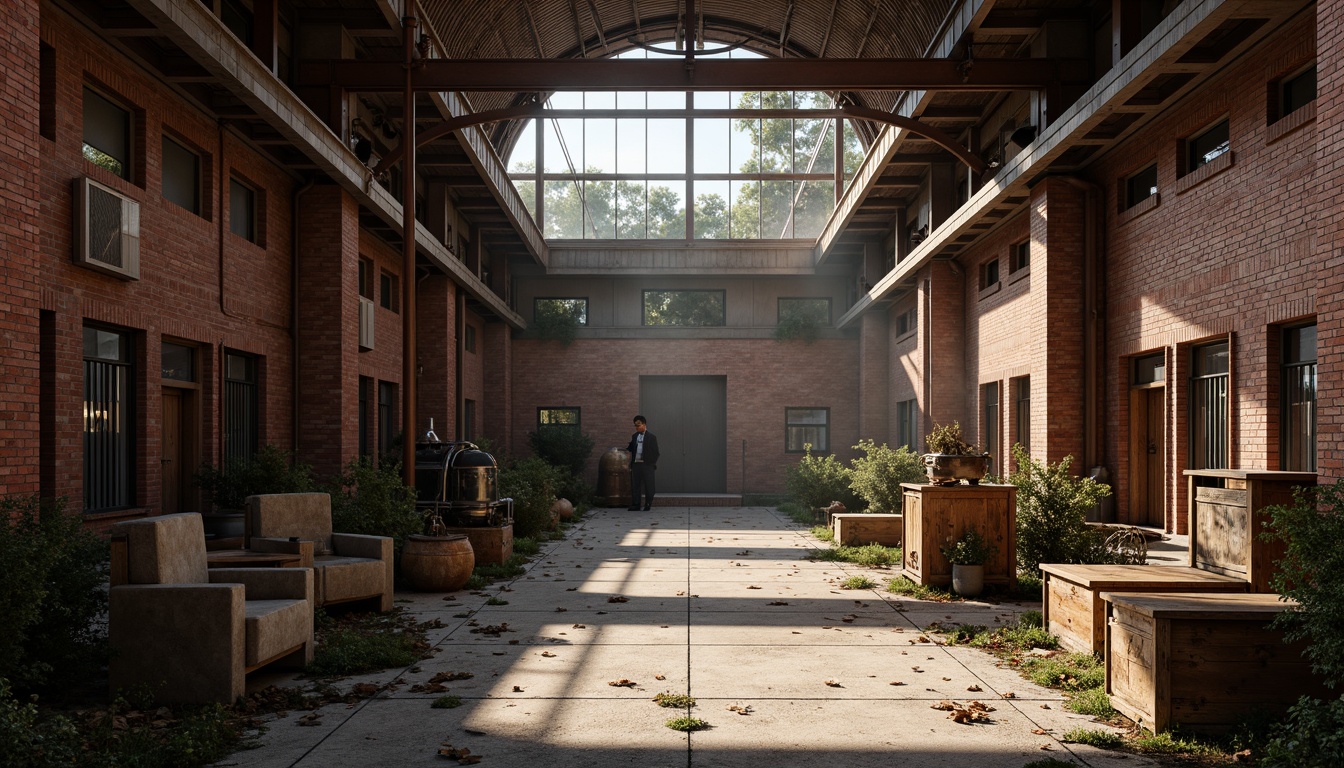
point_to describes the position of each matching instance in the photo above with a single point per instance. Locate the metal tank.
(459, 483)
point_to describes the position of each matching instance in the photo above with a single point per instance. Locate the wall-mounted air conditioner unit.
(107, 230)
(365, 323)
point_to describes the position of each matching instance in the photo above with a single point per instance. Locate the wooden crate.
(855, 529)
(492, 545)
(934, 515)
(1203, 662)
(1226, 518)
(1072, 607)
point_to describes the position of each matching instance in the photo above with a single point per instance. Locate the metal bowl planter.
(950, 469)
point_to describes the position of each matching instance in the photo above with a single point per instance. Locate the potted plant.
(951, 459)
(968, 556)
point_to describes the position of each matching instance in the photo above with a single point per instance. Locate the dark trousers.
(641, 478)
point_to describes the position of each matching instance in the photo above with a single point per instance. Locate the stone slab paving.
(718, 603)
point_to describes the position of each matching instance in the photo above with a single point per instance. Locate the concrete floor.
(718, 603)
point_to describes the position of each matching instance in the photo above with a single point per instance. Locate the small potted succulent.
(951, 459)
(968, 556)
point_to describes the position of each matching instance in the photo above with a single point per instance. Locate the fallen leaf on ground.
(312, 718)
(561, 610)
(752, 586)
(1045, 706)
(660, 677)
(834, 684)
(580, 626)
(1009, 695)
(618, 599)
(518, 689)
(943, 705)
(777, 602)
(1038, 731)
(623, 683)
(547, 654)
(975, 689)
(896, 682)
(739, 709)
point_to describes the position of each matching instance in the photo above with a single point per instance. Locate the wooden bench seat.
(1072, 607)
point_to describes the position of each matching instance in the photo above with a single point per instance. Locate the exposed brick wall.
(19, 257)
(383, 362)
(497, 383)
(436, 388)
(601, 376)
(473, 371)
(1326, 200)
(1057, 222)
(945, 333)
(874, 402)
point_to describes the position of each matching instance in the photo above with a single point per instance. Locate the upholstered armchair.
(346, 566)
(193, 634)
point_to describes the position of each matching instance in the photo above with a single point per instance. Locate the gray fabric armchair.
(193, 634)
(346, 566)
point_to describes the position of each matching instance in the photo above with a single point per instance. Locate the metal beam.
(704, 75)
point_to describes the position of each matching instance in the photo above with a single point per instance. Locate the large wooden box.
(1226, 517)
(856, 529)
(936, 515)
(1204, 663)
(1071, 602)
(492, 545)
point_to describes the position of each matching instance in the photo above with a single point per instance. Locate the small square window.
(181, 176)
(905, 322)
(1019, 257)
(805, 427)
(559, 417)
(178, 361)
(1297, 91)
(1141, 186)
(1150, 369)
(1207, 146)
(989, 274)
(107, 134)
(242, 210)
(388, 295)
(469, 338)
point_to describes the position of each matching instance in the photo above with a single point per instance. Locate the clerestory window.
(627, 168)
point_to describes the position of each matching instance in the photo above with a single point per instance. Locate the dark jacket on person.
(650, 457)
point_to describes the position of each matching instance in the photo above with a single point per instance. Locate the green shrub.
(350, 651)
(1312, 528)
(800, 320)
(374, 500)
(1311, 736)
(858, 582)
(51, 596)
(531, 483)
(816, 481)
(269, 470)
(562, 446)
(556, 319)
(1093, 702)
(1072, 672)
(877, 475)
(868, 554)
(28, 740)
(1052, 508)
(447, 702)
(1094, 738)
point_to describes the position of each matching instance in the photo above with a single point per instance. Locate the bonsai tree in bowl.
(968, 556)
(951, 459)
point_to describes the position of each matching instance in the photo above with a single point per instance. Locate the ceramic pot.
(968, 580)
(948, 469)
(437, 563)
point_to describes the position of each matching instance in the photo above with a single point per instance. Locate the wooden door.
(177, 457)
(689, 415)
(1147, 456)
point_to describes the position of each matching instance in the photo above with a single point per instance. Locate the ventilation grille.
(107, 229)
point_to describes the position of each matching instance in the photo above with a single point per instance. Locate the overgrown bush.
(51, 596)
(269, 470)
(555, 319)
(568, 450)
(1052, 508)
(1311, 736)
(1312, 529)
(877, 475)
(531, 484)
(816, 481)
(375, 501)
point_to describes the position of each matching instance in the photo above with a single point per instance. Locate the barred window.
(109, 461)
(1208, 406)
(1299, 399)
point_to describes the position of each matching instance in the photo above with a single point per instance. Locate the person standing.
(643, 450)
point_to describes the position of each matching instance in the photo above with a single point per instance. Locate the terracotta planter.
(947, 469)
(563, 509)
(968, 580)
(437, 563)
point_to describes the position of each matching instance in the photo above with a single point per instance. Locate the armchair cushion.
(275, 628)
(349, 578)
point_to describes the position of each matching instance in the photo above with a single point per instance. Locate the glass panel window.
(181, 176)
(108, 421)
(389, 292)
(1141, 186)
(812, 310)
(178, 361)
(1297, 91)
(1209, 406)
(906, 427)
(575, 308)
(1207, 146)
(805, 427)
(683, 308)
(1022, 411)
(387, 417)
(107, 134)
(906, 321)
(1299, 399)
(469, 338)
(1150, 369)
(1019, 257)
(468, 419)
(365, 395)
(989, 418)
(989, 274)
(558, 417)
(242, 210)
(240, 406)
(366, 278)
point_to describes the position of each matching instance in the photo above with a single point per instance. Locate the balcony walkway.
(714, 602)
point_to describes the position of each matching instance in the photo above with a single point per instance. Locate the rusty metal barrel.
(613, 478)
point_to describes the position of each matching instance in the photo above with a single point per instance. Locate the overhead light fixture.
(994, 161)
(1023, 136)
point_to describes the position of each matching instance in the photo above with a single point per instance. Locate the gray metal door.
(689, 414)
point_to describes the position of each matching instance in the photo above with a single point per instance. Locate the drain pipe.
(1093, 319)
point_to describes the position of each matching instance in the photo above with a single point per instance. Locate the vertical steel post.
(408, 351)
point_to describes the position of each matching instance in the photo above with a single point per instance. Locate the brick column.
(1058, 230)
(328, 328)
(436, 346)
(497, 404)
(1328, 200)
(874, 394)
(19, 258)
(944, 334)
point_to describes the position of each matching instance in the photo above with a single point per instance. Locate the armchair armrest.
(186, 641)
(360, 545)
(268, 583)
(304, 549)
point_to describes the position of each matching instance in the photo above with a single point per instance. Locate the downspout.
(459, 322)
(295, 399)
(928, 354)
(1092, 319)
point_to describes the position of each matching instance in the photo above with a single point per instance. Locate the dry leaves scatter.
(463, 756)
(622, 683)
(971, 712)
(740, 709)
(618, 599)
